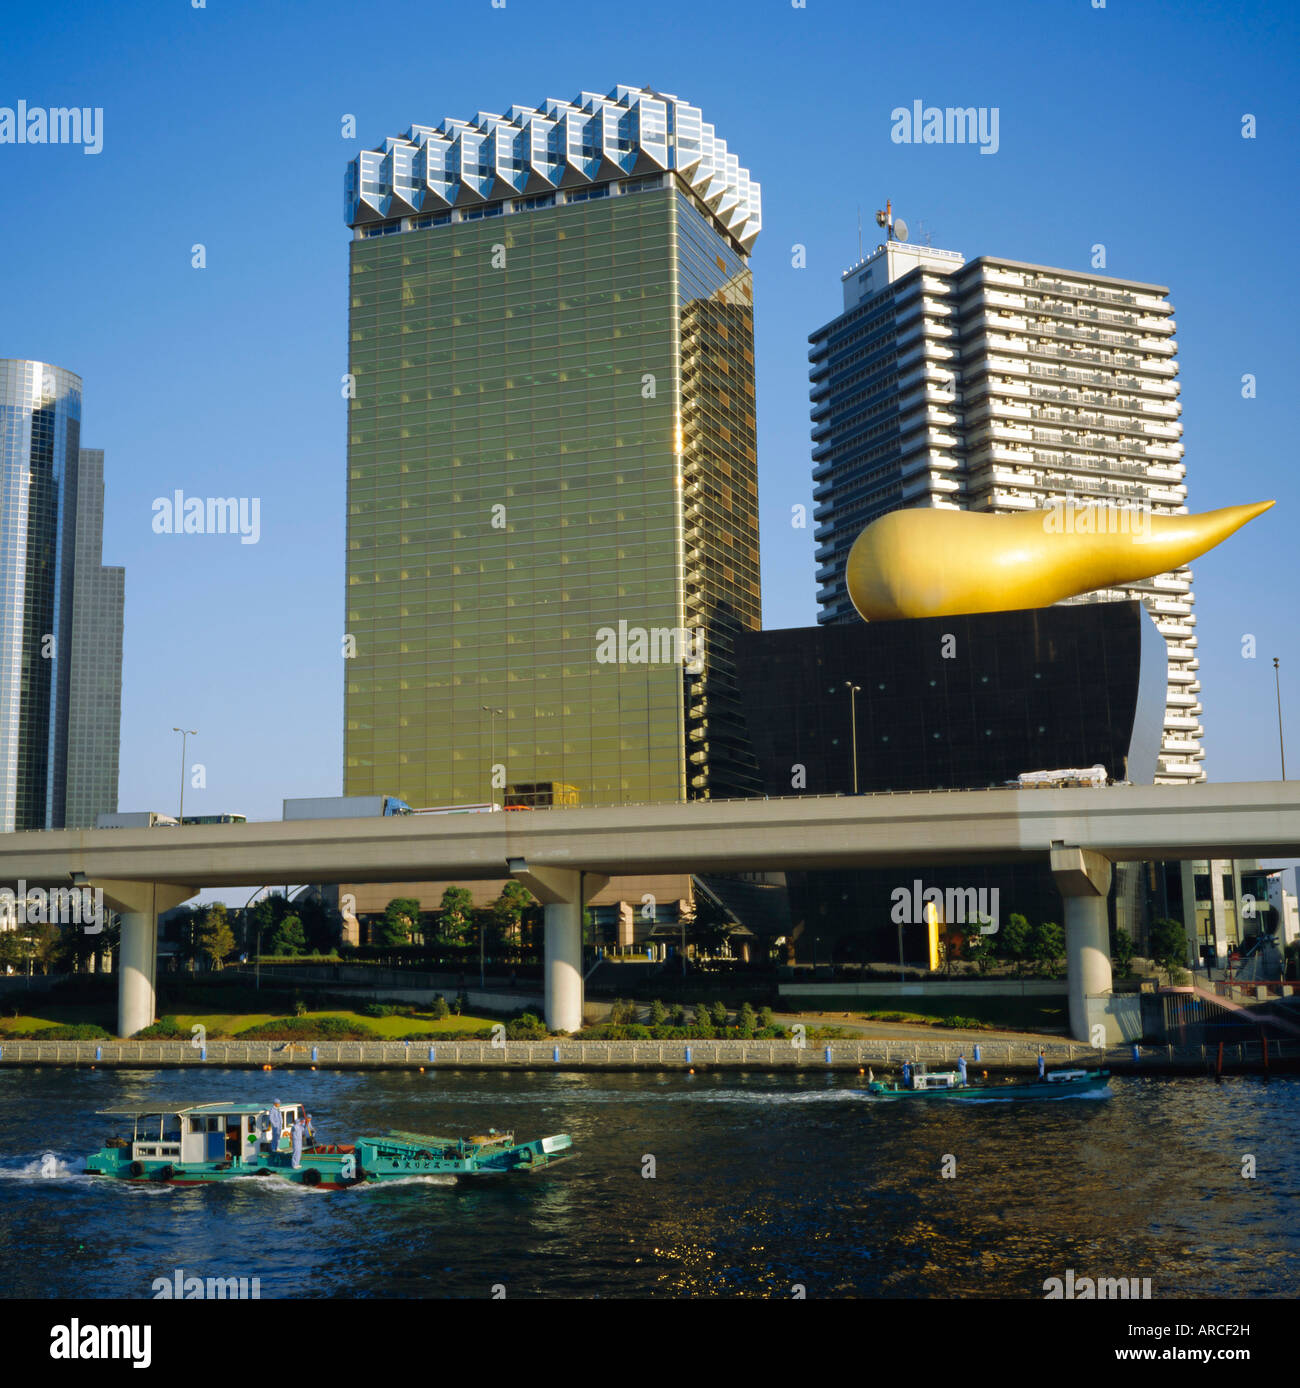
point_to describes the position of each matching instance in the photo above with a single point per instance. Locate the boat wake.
(989, 1098)
(1038, 1098)
(49, 1166)
(397, 1182)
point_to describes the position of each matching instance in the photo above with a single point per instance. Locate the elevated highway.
(564, 856)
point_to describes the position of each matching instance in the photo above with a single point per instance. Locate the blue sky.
(222, 126)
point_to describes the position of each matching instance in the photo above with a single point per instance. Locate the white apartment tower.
(993, 385)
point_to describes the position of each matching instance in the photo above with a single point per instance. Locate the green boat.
(197, 1144)
(948, 1084)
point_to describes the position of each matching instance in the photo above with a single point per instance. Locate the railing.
(839, 1053)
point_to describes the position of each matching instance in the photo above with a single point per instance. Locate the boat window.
(196, 1125)
(215, 1123)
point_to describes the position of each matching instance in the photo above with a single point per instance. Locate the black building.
(958, 702)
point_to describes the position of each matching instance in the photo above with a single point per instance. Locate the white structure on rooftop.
(559, 147)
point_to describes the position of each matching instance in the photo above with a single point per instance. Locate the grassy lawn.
(231, 1023)
(1008, 1013)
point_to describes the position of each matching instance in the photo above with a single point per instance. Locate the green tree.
(216, 939)
(703, 1020)
(1122, 954)
(320, 923)
(765, 1018)
(288, 937)
(678, 1015)
(1168, 943)
(456, 916)
(508, 911)
(264, 920)
(976, 946)
(13, 954)
(746, 1019)
(1016, 940)
(400, 920)
(1049, 946)
(440, 1008)
(718, 1014)
(658, 1013)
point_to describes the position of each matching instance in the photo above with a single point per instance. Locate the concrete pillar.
(563, 892)
(137, 959)
(1083, 878)
(562, 967)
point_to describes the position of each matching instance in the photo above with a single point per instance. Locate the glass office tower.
(60, 610)
(552, 476)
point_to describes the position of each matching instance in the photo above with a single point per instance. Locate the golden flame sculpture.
(937, 563)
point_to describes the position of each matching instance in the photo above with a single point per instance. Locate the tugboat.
(950, 1084)
(196, 1144)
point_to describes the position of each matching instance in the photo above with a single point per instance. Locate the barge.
(199, 1144)
(950, 1084)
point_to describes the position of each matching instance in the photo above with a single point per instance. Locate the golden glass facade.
(551, 449)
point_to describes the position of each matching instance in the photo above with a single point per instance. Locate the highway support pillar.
(1083, 878)
(563, 893)
(137, 958)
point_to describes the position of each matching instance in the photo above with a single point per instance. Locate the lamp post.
(854, 691)
(257, 962)
(185, 733)
(1277, 685)
(492, 714)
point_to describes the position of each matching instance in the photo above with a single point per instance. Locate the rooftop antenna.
(895, 228)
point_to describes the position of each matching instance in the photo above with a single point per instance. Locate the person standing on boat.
(907, 1075)
(1042, 1064)
(297, 1132)
(961, 1067)
(277, 1125)
(309, 1130)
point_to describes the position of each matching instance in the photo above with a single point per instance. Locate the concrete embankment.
(842, 1055)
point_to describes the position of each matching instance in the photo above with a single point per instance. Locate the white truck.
(344, 807)
(141, 819)
(1063, 778)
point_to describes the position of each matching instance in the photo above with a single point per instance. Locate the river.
(717, 1184)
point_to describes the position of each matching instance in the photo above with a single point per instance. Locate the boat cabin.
(937, 1079)
(201, 1132)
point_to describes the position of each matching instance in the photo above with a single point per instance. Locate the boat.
(949, 1084)
(198, 1144)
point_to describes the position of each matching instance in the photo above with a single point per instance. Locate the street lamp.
(854, 691)
(1277, 685)
(492, 713)
(185, 733)
(257, 962)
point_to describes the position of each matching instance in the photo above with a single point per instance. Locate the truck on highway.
(344, 807)
(1062, 778)
(139, 819)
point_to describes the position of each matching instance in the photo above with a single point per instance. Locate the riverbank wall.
(840, 1055)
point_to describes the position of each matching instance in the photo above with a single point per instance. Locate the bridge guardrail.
(841, 1053)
